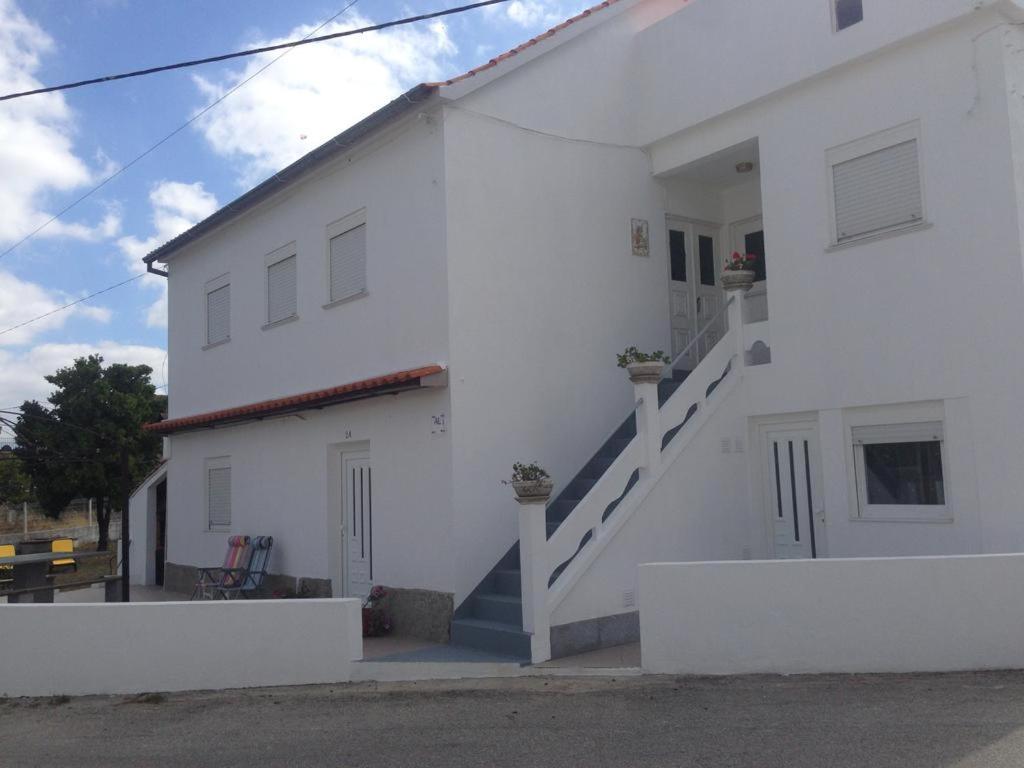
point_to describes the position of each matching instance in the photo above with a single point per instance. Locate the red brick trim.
(357, 390)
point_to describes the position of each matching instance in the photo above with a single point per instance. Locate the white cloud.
(21, 374)
(316, 91)
(36, 141)
(535, 15)
(21, 300)
(176, 207)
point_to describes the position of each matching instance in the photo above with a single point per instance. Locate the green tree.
(82, 445)
(15, 485)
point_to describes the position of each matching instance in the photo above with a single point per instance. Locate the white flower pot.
(533, 490)
(646, 373)
(737, 279)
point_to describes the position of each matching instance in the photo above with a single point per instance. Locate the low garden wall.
(52, 649)
(915, 614)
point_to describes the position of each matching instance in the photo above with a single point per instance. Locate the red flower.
(736, 256)
(751, 257)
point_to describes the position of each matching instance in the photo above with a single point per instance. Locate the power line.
(166, 138)
(253, 51)
(71, 304)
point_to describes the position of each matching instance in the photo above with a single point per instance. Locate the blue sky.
(53, 148)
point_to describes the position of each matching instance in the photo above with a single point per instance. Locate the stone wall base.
(591, 634)
(420, 613)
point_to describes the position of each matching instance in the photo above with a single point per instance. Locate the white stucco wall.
(401, 323)
(285, 482)
(928, 614)
(97, 648)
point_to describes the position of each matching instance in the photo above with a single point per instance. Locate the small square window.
(847, 13)
(900, 472)
(875, 185)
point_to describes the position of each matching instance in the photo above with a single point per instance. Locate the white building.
(442, 290)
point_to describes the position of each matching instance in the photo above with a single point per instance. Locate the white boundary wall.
(95, 648)
(916, 614)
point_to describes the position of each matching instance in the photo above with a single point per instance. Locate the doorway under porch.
(713, 209)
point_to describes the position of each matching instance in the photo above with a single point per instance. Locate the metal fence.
(77, 521)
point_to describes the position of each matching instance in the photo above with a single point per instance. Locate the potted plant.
(531, 482)
(376, 621)
(738, 272)
(643, 367)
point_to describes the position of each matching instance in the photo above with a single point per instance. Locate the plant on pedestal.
(643, 367)
(738, 273)
(531, 482)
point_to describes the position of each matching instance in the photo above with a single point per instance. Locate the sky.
(55, 147)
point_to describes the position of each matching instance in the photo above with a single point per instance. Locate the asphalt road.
(917, 720)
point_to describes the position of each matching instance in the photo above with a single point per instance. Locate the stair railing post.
(533, 540)
(737, 296)
(648, 424)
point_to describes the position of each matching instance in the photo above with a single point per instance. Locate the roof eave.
(329, 150)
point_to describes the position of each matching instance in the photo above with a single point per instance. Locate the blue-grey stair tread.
(492, 636)
(505, 609)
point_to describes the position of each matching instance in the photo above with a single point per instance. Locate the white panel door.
(793, 487)
(681, 292)
(709, 295)
(357, 524)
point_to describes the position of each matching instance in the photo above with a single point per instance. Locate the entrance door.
(793, 488)
(357, 524)
(696, 297)
(160, 546)
(748, 237)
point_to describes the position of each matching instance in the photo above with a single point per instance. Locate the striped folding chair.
(236, 558)
(249, 580)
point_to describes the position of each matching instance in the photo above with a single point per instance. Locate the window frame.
(221, 281)
(834, 6)
(218, 462)
(862, 147)
(285, 252)
(336, 229)
(903, 431)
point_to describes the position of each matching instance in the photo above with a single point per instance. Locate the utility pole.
(126, 490)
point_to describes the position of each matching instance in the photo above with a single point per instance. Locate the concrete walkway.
(920, 721)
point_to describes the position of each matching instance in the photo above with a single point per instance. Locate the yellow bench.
(65, 564)
(6, 569)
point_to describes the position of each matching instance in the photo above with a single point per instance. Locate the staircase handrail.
(705, 329)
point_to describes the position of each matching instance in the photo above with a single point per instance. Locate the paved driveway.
(921, 720)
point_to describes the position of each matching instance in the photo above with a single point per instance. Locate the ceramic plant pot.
(646, 373)
(533, 490)
(737, 279)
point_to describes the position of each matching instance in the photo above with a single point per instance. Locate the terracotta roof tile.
(528, 44)
(391, 382)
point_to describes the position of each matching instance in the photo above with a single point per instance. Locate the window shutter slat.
(218, 315)
(281, 290)
(877, 191)
(348, 263)
(219, 497)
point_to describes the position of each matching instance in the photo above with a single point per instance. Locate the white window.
(846, 13)
(218, 494)
(282, 301)
(876, 185)
(901, 471)
(346, 258)
(218, 310)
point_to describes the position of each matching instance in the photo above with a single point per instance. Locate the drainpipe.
(154, 271)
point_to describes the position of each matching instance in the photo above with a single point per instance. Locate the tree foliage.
(74, 448)
(15, 485)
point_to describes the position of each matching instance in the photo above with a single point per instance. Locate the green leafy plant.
(633, 355)
(527, 473)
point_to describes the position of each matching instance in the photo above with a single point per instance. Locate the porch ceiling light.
(745, 167)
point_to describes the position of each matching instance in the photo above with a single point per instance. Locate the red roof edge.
(356, 390)
(525, 46)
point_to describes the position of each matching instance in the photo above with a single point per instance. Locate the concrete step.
(507, 582)
(504, 609)
(491, 636)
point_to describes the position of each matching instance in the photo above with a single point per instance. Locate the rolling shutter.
(281, 297)
(218, 490)
(218, 315)
(348, 263)
(877, 191)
